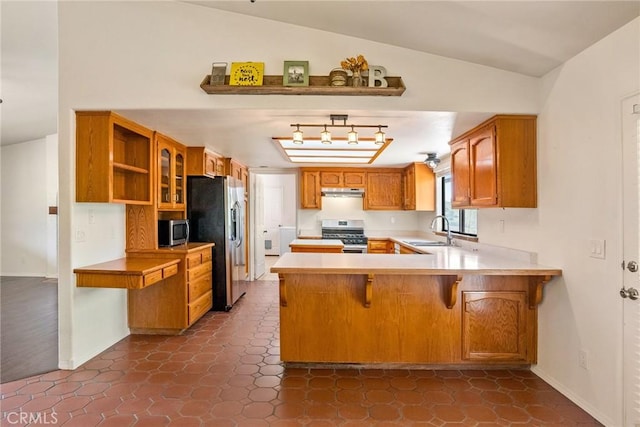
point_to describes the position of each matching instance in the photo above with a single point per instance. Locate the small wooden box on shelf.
(318, 85)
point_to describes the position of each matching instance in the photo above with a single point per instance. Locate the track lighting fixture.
(380, 136)
(325, 136)
(352, 135)
(297, 136)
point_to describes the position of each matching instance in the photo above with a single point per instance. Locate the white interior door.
(631, 241)
(274, 206)
(259, 250)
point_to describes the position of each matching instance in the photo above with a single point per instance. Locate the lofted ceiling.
(527, 37)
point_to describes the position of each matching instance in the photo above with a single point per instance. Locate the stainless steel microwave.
(172, 232)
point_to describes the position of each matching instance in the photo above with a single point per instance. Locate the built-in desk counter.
(126, 273)
(445, 307)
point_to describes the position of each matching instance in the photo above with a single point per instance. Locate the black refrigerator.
(215, 209)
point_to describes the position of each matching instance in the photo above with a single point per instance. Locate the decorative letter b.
(377, 73)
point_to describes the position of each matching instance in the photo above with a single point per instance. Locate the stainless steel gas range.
(349, 231)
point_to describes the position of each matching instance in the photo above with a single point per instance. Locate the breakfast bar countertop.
(437, 260)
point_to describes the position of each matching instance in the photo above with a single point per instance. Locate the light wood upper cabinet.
(233, 168)
(419, 188)
(331, 179)
(384, 190)
(354, 179)
(113, 159)
(341, 179)
(494, 164)
(171, 173)
(201, 161)
(383, 187)
(461, 192)
(310, 190)
(238, 170)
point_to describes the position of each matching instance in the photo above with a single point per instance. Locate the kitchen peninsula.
(446, 306)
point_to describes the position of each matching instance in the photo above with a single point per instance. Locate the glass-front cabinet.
(171, 173)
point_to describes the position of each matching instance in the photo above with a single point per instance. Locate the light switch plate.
(597, 248)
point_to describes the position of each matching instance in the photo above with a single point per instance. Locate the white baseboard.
(607, 421)
(38, 274)
(67, 365)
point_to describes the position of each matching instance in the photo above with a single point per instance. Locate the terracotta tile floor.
(225, 371)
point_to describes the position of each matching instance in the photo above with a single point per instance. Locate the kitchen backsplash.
(351, 208)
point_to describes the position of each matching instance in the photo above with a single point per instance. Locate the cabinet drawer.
(199, 307)
(205, 255)
(199, 271)
(199, 287)
(378, 245)
(197, 258)
(170, 271)
(153, 277)
(194, 259)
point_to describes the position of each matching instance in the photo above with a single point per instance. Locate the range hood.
(342, 192)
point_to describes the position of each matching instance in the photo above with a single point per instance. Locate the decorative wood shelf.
(318, 85)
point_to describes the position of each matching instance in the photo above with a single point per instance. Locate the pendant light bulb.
(297, 135)
(380, 136)
(352, 137)
(325, 136)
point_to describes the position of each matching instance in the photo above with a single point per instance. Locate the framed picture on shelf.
(218, 73)
(296, 73)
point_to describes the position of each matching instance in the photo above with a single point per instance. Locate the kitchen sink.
(424, 243)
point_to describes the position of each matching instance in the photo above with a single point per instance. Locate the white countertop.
(435, 260)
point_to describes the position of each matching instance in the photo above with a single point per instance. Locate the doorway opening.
(274, 211)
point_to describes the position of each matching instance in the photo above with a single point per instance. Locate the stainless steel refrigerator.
(215, 209)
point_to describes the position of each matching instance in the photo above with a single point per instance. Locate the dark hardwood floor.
(28, 327)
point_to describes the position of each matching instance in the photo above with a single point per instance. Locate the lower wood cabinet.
(386, 317)
(379, 246)
(178, 302)
(199, 290)
(494, 325)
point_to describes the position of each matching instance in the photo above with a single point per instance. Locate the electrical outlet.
(80, 236)
(583, 360)
(92, 216)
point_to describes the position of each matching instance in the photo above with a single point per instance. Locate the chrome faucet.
(446, 220)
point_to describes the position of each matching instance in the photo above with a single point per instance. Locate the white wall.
(579, 185)
(29, 184)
